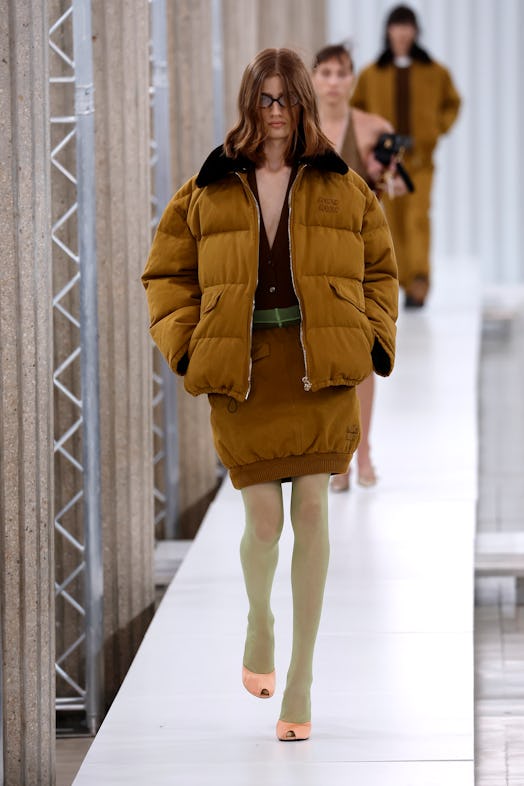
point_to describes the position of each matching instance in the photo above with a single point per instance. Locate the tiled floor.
(70, 752)
(499, 623)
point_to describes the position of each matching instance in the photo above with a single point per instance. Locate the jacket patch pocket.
(209, 300)
(351, 292)
(348, 290)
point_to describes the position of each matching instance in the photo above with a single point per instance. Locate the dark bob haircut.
(402, 15)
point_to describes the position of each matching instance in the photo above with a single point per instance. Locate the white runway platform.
(393, 691)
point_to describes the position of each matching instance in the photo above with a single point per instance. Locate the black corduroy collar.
(217, 165)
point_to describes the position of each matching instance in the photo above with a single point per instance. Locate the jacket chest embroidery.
(328, 205)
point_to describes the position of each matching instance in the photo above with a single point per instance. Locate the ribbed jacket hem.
(288, 467)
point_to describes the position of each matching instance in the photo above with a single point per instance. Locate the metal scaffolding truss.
(77, 445)
(165, 436)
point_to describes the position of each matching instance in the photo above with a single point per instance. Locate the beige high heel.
(260, 685)
(289, 732)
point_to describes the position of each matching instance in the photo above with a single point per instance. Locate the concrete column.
(26, 437)
(120, 41)
(191, 107)
(297, 24)
(240, 36)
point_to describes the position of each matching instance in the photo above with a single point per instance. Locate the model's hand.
(374, 168)
(397, 187)
(391, 183)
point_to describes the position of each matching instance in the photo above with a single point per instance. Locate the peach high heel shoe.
(260, 685)
(289, 732)
(340, 482)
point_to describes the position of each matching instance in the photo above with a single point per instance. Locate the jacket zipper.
(246, 185)
(305, 379)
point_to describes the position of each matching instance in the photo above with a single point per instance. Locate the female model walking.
(272, 287)
(353, 134)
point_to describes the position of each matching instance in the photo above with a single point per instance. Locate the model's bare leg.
(366, 471)
(340, 482)
(259, 557)
(309, 516)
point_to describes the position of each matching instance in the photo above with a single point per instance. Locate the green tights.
(259, 557)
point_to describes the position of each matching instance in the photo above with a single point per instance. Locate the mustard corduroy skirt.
(281, 431)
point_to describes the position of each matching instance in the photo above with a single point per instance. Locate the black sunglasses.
(267, 101)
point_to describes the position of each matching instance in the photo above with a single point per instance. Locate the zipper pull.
(307, 384)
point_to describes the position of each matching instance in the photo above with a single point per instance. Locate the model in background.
(416, 94)
(272, 287)
(354, 134)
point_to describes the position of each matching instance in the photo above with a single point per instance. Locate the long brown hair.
(246, 138)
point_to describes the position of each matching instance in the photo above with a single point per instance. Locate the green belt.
(276, 317)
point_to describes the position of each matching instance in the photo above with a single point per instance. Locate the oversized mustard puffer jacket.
(202, 271)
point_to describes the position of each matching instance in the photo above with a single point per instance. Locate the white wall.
(478, 195)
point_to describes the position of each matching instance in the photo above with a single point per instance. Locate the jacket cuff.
(183, 363)
(382, 362)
